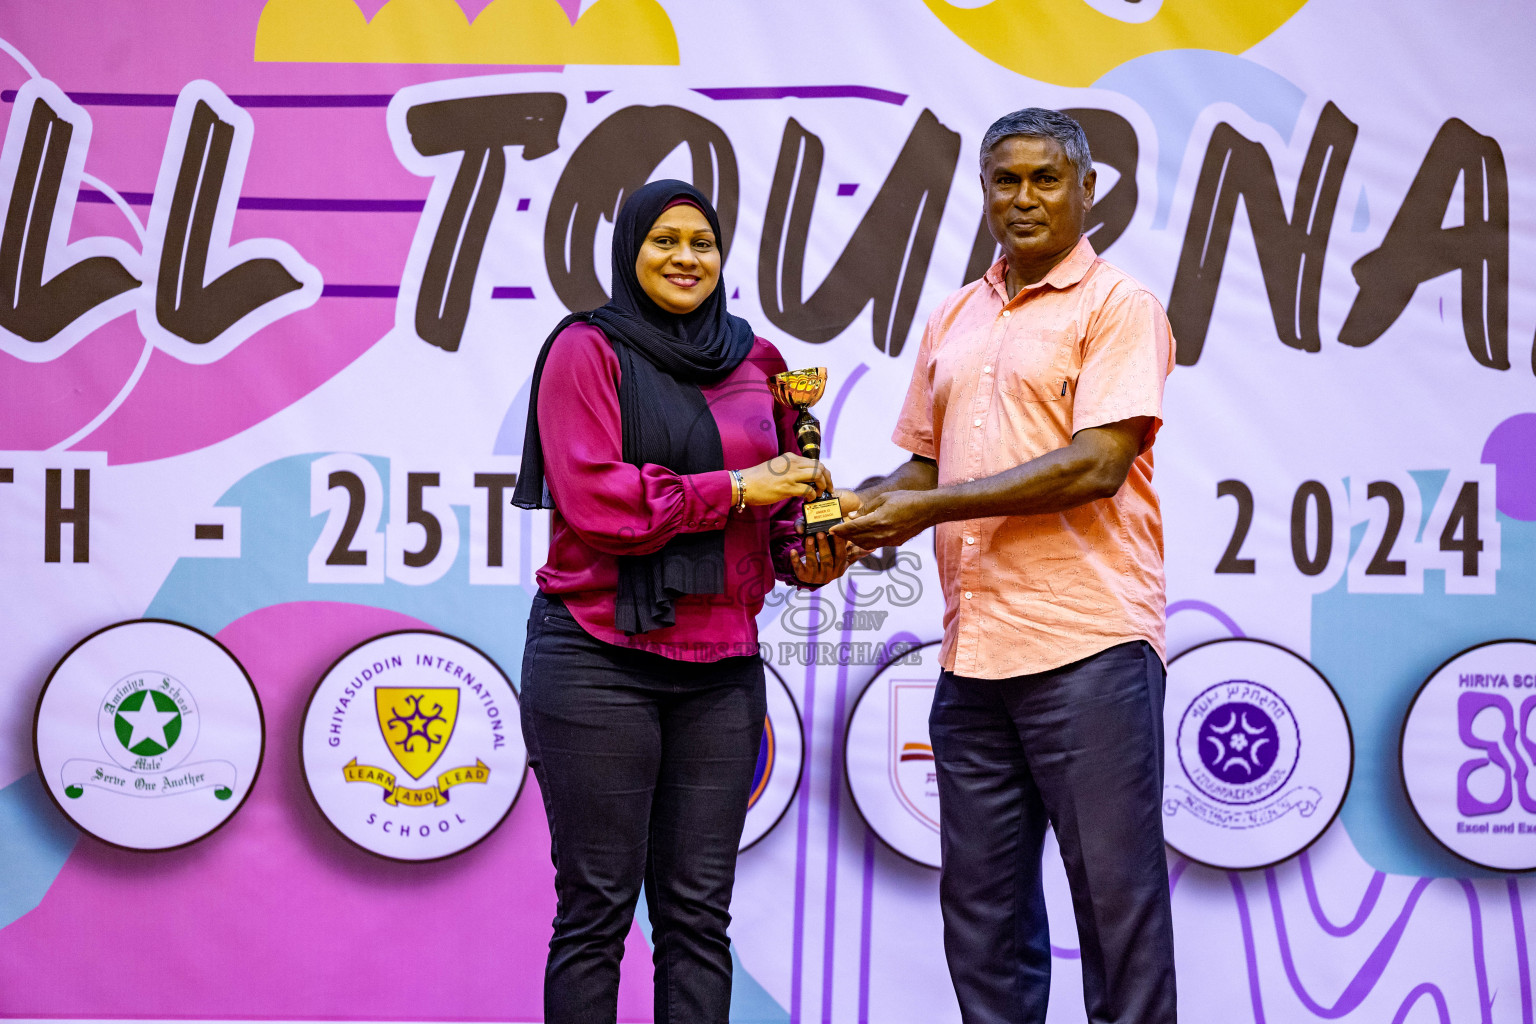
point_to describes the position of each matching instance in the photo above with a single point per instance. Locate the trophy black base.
(822, 515)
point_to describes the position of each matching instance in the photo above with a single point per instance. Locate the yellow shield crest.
(417, 722)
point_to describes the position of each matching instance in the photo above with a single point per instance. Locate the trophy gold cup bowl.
(801, 389)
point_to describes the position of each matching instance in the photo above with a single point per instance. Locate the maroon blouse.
(605, 507)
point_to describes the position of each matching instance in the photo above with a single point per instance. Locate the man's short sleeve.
(914, 427)
(1127, 356)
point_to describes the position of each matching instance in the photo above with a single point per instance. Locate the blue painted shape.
(1362, 213)
(276, 534)
(1431, 482)
(1377, 650)
(1174, 86)
(750, 1002)
(35, 841)
(509, 438)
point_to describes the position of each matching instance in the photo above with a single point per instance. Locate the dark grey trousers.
(1079, 747)
(645, 765)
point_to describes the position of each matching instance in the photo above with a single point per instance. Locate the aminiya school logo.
(411, 746)
(167, 750)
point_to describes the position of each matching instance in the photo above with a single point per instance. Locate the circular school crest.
(888, 759)
(1259, 754)
(148, 734)
(1468, 755)
(412, 747)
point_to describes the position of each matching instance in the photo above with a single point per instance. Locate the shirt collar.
(1063, 275)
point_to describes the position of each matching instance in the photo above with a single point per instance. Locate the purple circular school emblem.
(1238, 742)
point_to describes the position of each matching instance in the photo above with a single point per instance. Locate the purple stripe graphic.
(1176, 873)
(333, 205)
(91, 195)
(802, 827)
(835, 810)
(1475, 910)
(1522, 958)
(360, 291)
(1370, 972)
(1425, 989)
(512, 292)
(1249, 952)
(837, 407)
(1367, 902)
(374, 100)
(1209, 609)
(866, 923)
(168, 99)
(805, 92)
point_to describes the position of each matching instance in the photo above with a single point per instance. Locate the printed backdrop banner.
(273, 274)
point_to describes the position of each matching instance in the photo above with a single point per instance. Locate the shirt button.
(976, 423)
(1007, 312)
(970, 540)
(986, 369)
(967, 595)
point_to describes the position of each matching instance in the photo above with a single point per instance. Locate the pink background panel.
(276, 916)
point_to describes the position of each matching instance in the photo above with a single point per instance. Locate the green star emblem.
(147, 723)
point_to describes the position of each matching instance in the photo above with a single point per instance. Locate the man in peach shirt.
(1034, 402)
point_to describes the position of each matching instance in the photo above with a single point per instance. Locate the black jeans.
(645, 765)
(1081, 747)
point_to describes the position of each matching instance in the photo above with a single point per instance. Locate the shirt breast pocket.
(1036, 365)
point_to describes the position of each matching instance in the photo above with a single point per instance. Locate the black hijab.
(664, 358)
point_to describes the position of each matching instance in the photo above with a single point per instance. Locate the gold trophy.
(802, 389)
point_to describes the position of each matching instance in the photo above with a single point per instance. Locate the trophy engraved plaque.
(801, 389)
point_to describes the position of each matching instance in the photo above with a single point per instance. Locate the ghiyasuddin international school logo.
(411, 746)
(160, 756)
(1260, 754)
(417, 724)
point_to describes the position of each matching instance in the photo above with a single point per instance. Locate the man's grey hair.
(1040, 123)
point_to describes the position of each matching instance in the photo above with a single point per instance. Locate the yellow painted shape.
(1066, 42)
(439, 32)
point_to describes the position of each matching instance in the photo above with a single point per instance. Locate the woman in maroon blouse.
(653, 436)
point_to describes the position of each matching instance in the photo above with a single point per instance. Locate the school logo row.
(149, 735)
(1259, 756)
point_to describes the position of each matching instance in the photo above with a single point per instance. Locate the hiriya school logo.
(411, 746)
(1260, 754)
(149, 734)
(889, 763)
(1468, 754)
(779, 761)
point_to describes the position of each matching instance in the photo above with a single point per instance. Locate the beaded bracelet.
(740, 489)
